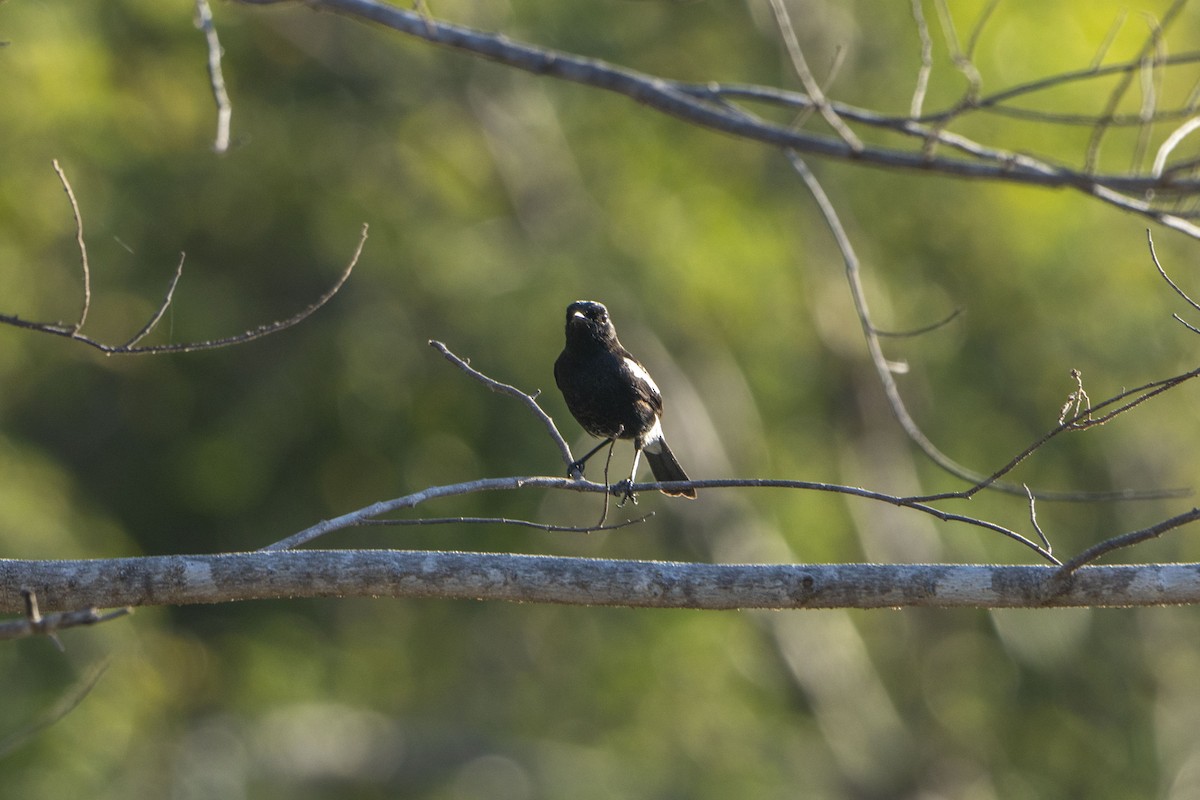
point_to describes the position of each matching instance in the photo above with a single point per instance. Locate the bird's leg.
(625, 487)
(577, 466)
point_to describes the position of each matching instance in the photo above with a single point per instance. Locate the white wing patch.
(640, 371)
(652, 441)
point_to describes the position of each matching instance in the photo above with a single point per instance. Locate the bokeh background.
(495, 198)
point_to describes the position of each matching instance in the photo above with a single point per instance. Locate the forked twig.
(132, 348)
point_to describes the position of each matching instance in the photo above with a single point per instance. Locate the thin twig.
(67, 703)
(204, 21)
(977, 31)
(1127, 540)
(162, 307)
(1165, 276)
(1103, 123)
(1150, 76)
(1185, 323)
(811, 85)
(962, 60)
(1109, 38)
(530, 400)
(1034, 520)
(83, 256)
(933, 326)
(1170, 143)
(926, 68)
(520, 523)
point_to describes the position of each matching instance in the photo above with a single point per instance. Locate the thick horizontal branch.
(191, 579)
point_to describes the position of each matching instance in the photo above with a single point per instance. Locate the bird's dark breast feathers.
(602, 397)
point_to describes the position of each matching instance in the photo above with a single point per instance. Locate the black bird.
(612, 395)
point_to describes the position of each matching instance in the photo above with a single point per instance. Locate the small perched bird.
(612, 395)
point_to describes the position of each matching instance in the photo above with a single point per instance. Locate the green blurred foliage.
(495, 198)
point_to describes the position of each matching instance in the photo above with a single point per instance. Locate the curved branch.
(368, 514)
(79, 242)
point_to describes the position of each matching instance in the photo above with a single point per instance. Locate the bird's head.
(588, 320)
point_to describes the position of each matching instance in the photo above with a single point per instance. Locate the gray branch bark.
(192, 579)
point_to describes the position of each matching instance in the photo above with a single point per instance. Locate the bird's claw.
(624, 490)
(575, 470)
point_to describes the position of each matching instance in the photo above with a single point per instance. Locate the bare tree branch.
(698, 105)
(191, 579)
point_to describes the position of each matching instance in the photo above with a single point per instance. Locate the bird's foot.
(575, 470)
(624, 490)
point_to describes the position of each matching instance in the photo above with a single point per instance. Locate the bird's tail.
(666, 468)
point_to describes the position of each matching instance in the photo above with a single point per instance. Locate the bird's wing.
(645, 389)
